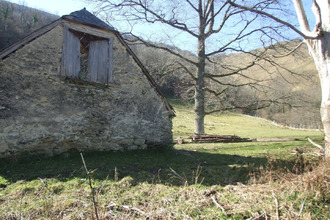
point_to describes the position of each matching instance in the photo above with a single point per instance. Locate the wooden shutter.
(98, 61)
(110, 60)
(70, 55)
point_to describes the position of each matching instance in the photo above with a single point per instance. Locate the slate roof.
(85, 17)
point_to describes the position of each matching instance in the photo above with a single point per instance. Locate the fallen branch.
(277, 207)
(133, 209)
(91, 186)
(218, 205)
(301, 209)
(126, 208)
(44, 183)
(317, 145)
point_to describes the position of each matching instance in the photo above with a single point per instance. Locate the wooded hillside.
(288, 83)
(290, 88)
(17, 21)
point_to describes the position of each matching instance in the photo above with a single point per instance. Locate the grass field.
(233, 124)
(253, 180)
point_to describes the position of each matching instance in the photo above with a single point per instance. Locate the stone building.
(75, 84)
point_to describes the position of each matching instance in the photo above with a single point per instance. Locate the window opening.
(85, 42)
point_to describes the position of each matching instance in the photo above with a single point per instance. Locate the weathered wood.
(89, 30)
(98, 61)
(218, 138)
(110, 60)
(92, 61)
(103, 57)
(71, 54)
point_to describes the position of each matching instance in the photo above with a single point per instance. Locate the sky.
(64, 7)
(58, 7)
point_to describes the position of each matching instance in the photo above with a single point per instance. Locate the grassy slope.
(189, 181)
(233, 124)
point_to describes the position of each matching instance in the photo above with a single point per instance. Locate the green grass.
(199, 181)
(233, 124)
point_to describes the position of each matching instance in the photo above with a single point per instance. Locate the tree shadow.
(157, 166)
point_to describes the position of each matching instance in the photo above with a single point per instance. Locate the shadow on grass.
(165, 166)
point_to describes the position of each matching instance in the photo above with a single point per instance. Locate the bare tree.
(216, 26)
(318, 42)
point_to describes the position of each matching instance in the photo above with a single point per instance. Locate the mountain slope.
(17, 21)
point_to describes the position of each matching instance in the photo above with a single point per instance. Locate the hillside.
(289, 84)
(233, 124)
(17, 21)
(293, 77)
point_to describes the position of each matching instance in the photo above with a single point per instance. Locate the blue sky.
(58, 7)
(63, 7)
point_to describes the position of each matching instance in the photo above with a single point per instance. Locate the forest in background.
(287, 93)
(17, 21)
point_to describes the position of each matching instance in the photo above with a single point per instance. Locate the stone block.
(126, 141)
(132, 147)
(143, 147)
(116, 147)
(139, 141)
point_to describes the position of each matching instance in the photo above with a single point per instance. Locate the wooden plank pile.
(218, 138)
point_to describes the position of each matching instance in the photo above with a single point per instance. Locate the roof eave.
(89, 25)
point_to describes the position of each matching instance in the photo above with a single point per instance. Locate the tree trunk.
(319, 50)
(199, 89)
(200, 81)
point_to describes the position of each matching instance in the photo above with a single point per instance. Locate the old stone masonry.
(75, 84)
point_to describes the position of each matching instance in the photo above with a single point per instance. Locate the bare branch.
(165, 73)
(149, 44)
(290, 52)
(189, 2)
(252, 106)
(215, 92)
(231, 73)
(226, 16)
(239, 36)
(187, 70)
(304, 35)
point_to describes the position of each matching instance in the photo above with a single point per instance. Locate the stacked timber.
(218, 138)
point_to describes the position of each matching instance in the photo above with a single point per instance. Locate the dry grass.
(274, 192)
(305, 184)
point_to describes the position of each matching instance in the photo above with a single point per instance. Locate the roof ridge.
(86, 17)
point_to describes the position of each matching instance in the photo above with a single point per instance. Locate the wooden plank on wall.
(103, 56)
(92, 61)
(98, 61)
(90, 30)
(71, 55)
(110, 60)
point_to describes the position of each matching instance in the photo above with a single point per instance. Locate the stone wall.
(42, 112)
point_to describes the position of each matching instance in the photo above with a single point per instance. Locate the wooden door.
(98, 61)
(70, 55)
